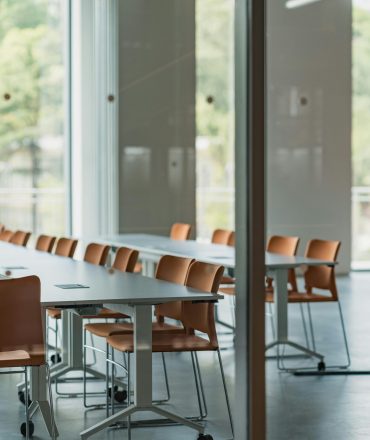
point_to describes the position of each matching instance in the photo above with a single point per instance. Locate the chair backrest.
(20, 314)
(283, 245)
(200, 316)
(66, 247)
(20, 238)
(125, 259)
(322, 277)
(6, 235)
(231, 241)
(45, 243)
(221, 236)
(180, 231)
(174, 270)
(96, 253)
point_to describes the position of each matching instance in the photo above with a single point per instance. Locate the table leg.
(143, 378)
(281, 312)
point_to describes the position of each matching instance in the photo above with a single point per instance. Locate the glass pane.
(361, 136)
(32, 93)
(215, 115)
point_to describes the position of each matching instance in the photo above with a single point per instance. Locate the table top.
(104, 286)
(206, 252)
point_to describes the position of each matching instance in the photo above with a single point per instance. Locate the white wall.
(309, 122)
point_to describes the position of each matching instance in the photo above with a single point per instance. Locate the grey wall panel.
(156, 114)
(309, 122)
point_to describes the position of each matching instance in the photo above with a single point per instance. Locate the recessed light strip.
(292, 4)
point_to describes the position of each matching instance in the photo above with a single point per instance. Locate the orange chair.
(45, 243)
(221, 236)
(97, 253)
(6, 235)
(231, 241)
(20, 238)
(169, 268)
(195, 317)
(283, 245)
(180, 231)
(322, 278)
(21, 335)
(66, 247)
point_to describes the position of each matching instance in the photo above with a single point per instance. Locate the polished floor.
(298, 408)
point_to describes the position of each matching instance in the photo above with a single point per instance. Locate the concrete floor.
(298, 408)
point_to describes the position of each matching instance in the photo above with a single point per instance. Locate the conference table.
(152, 247)
(80, 288)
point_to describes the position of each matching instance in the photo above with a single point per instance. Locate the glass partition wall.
(33, 94)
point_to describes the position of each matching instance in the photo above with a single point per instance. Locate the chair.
(322, 278)
(283, 245)
(169, 268)
(21, 335)
(195, 317)
(20, 238)
(180, 231)
(221, 236)
(66, 247)
(45, 243)
(231, 241)
(96, 253)
(6, 235)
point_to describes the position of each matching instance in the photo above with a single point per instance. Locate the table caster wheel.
(56, 358)
(321, 366)
(22, 399)
(31, 426)
(205, 437)
(115, 389)
(120, 396)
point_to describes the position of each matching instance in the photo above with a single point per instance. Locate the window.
(32, 114)
(215, 115)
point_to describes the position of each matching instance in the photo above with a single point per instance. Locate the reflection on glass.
(215, 115)
(32, 194)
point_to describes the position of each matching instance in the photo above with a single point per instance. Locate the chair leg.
(196, 385)
(84, 361)
(112, 382)
(166, 377)
(53, 431)
(304, 325)
(201, 386)
(128, 395)
(26, 403)
(311, 327)
(272, 321)
(107, 380)
(344, 335)
(225, 390)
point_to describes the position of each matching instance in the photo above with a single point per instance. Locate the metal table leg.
(281, 312)
(143, 394)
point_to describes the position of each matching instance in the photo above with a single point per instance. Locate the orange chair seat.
(107, 314)
(54, 313)
(106, 329)
(297, 297)
(228, 290)
(164, 342)
(228, 280)
(33, 355)
(104, 313)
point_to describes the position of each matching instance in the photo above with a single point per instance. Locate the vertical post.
(250, 219)
(143, 355)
